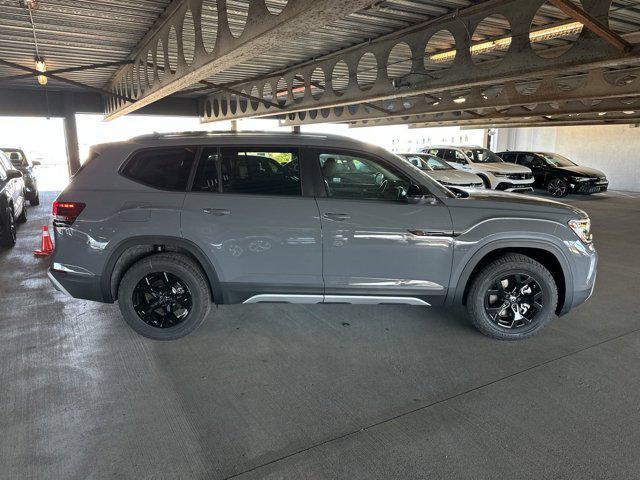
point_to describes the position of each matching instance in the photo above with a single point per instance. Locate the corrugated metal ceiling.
(80, 32)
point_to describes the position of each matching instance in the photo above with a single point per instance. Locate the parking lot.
(322, 391)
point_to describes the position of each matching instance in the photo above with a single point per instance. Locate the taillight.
(67, 212)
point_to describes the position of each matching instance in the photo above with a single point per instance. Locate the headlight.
(498, 174)
(580, 179)
(582, 228)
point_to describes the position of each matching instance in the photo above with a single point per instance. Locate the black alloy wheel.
(162, 300)
(512, 298)
(558, 188)
(513, 301)
(8, 232)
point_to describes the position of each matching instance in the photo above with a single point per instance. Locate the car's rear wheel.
(512, 298)
(8, 232)
(164, 296)
(23, 215)
(35, 199)
(558, 187)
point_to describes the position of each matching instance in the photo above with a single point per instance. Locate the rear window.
(165, 169)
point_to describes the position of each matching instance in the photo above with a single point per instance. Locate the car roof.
(454, 146)
(235, 139)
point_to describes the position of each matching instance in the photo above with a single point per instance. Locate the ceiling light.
(541, 35)
(459, 100)
(41, 66)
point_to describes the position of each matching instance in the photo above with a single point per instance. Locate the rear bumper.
(86, 287)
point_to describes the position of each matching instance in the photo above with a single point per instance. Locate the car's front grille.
(520, 176)
(464, 185)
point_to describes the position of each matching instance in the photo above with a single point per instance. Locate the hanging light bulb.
(41, 66)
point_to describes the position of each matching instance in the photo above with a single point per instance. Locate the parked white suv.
(495, 173)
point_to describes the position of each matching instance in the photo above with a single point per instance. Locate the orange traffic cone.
(46, 248)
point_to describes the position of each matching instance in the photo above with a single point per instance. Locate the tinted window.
(271, 171)
(482, 155)
(16, 157)
(509, 157)
(207, 178)
(167, 169)
(527, 160)
(361, 178)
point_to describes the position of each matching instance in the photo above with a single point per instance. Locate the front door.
(247, 212)
(376, 243)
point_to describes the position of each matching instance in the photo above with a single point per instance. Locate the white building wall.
(614, 149)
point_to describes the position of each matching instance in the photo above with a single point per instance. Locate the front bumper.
(590, 187)
(511, 187)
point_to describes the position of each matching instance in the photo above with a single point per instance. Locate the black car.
(23, 164)
(13, 207)
(559, 175)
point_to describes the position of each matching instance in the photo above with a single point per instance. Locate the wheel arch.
(546, 253)
(131, 250)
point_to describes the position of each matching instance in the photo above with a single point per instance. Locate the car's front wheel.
(558, 187)
(164, 296)
(512, 298)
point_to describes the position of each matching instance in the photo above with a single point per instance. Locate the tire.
(34, 201)
(190, 282)
(8, 231)
(23, 215)
(558, 188)
(542, 287)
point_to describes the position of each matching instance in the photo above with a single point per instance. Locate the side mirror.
(11, 174)
(417, 196)
(36, 163)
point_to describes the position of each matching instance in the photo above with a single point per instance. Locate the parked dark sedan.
(12, 203)
(559, 175)
(23, 164)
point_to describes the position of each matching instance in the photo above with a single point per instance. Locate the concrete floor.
(325, 391)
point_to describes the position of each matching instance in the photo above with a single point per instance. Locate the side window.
(3, 172)
(361, 178)
(527, 160)
(435, 152)
(166, 168)
(508, 157)
(261, 171)
(461, 158)
(207, 179)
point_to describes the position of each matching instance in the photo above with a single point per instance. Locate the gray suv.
(168, 224)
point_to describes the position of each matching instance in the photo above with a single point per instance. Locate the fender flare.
(192, 248)
(458, 285)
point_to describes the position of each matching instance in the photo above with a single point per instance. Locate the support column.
(71, 136)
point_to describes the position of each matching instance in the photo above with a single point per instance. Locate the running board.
(348, 299)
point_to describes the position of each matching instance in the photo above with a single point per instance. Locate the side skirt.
(345, 299)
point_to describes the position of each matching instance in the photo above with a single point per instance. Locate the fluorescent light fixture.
(504, 43)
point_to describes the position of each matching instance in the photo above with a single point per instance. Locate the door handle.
(338, 217)
(218, 212)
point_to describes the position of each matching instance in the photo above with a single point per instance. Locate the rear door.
(249, 211)
(375, 242)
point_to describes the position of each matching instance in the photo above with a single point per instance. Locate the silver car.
(169, 224)
(442, 172)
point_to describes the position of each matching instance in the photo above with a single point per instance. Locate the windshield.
(16, 156)
(482, 155)
(427, 162)
(557, 160)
